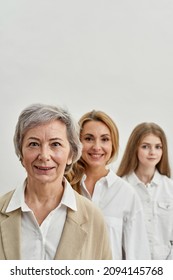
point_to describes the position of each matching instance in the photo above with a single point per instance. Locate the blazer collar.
(74, 233)
(73, 237)
(10, 230)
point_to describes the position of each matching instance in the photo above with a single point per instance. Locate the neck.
(43, 199)
(145, 175)
(43, 192)
(93, 175)
(96, 173)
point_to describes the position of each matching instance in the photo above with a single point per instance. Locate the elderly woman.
(45, 218)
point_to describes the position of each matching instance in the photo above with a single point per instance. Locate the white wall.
(112, 55)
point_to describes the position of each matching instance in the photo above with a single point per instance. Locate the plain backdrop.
(109, 55)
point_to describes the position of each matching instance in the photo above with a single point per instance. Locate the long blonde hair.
(78, 169)
(129, 162)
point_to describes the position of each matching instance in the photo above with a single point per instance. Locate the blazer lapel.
(10, 229)
(74, 234)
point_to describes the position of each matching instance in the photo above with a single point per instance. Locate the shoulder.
(85, 206)
(5, 199)
(167, 180)
(83, 202)
(125, 191)
(123, 184)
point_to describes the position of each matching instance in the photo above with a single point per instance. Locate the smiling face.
(149, 151)
(45, 152)
(97, 144)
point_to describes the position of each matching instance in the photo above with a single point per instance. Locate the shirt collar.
(68, 197)
(134, 180)
(156, 178)
(109, 179)
(18, 200)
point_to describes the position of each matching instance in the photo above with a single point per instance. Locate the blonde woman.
(117, 200)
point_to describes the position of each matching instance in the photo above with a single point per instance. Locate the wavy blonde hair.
(78, 170)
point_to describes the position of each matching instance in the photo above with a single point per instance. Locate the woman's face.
(46, 151)
(97, 143)
(150, 151)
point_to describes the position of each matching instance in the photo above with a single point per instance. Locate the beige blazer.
(84, 235)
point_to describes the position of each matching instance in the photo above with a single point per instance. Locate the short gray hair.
(38, 114)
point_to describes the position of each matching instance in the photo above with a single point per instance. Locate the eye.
(33, 144)
(105, 139)
(158, 147)
(88, 138)
(144, 146)
(55, 144)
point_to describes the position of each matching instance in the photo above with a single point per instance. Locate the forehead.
(94, 127)
(151, 138)
(55, 127)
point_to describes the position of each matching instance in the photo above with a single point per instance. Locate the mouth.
(152, 159)
(95, 156)
(43, 168)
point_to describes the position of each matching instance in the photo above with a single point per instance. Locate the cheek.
(24, 162)
(84, 152)
(28, 157)
(108, 149)
(85, 147)
(160, 154)
(62, 157)
(140, 155)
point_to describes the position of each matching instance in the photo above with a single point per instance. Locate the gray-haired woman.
(45, 218)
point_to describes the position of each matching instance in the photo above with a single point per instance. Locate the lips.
(96, 156)
(43, 168)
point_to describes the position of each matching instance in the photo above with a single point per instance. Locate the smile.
(44, 168)
(96, 155)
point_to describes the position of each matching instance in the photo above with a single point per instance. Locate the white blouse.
(157, 200)
(124, 216)
(41, 242)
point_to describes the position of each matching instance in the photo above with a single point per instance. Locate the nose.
(152, 150)
(96, 145)
(44, 154)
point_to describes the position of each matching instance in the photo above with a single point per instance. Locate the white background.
(110, 55)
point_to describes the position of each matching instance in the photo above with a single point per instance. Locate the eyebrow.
(160, 143)
(51, 139)
(89, 134)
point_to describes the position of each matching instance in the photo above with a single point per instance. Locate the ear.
(21, 160)
(69, 160)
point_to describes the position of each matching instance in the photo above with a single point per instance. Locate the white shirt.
(157, 200)
(41, 242)
(124, 216)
